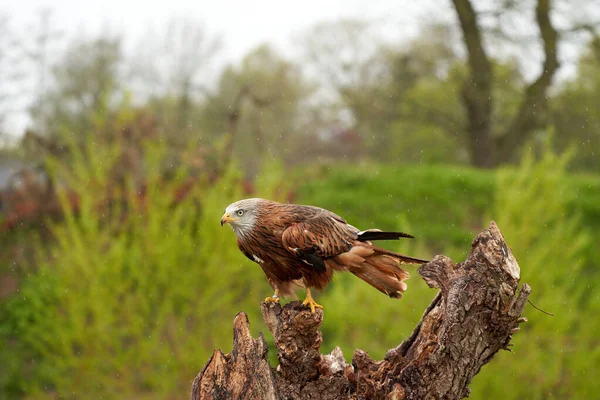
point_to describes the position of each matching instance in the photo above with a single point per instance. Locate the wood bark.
(472, 317)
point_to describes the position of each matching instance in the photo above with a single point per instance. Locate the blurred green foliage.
(443, 204)
(137, 289)
(553, 356)
(575, 110)
(549, 219)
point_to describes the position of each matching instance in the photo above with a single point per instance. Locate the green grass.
(445, 206)
(441, 204)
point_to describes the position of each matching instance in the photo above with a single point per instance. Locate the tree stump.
(472, 317)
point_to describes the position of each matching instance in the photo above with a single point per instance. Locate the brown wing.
(319, 238)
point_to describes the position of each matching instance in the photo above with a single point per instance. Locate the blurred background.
(126, 128)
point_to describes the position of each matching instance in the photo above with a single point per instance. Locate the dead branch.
(474, 315)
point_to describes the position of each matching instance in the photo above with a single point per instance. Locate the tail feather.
(383, 273)
(403, 259)
(378, 267)
(376, 234)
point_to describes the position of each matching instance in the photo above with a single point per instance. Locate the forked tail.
(378, 267)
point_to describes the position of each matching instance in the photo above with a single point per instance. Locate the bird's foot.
(309, 301)
(274, 298)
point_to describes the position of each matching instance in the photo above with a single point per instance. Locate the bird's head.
(242, 215)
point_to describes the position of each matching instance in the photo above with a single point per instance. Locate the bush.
(553, 356)
(136, 290)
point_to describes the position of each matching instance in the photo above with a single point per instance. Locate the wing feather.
(324, 237)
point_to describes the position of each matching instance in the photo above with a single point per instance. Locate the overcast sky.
(242, 24)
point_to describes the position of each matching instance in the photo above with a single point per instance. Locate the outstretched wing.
(319, 238)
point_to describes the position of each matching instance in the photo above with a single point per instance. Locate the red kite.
(303, 245)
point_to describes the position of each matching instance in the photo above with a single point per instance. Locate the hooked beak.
(227, 219)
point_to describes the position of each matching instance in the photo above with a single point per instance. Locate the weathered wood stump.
(472, 317)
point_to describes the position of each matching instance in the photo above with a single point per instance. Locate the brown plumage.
(303, 245)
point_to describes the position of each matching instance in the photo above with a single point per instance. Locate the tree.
(424, 123)
(86, 81)
(575, 113)
(430, 128)
(172, 71)
(398, 94)
(40, 54)
(488, 145)
(260, 104)
(355, 70)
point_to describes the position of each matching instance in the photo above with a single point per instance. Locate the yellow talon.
(274, 299)
(309, 301)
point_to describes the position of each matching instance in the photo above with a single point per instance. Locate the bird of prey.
(301, 246)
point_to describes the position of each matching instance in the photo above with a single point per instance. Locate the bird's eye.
(240, 212)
